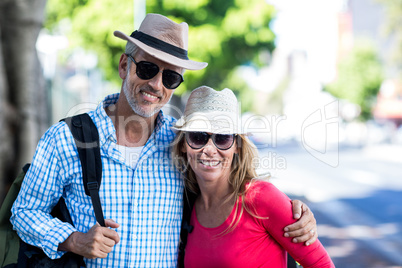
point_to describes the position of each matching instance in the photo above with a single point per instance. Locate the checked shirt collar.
(107, 131)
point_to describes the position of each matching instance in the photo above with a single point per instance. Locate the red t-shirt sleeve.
(276, 208)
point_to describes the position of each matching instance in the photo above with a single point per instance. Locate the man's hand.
(98, 242)
(305, 229)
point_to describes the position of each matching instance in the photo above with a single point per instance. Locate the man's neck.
(132, 130)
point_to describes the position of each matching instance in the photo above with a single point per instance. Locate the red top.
(254, 242)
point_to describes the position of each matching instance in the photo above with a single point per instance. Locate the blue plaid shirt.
(145, 201)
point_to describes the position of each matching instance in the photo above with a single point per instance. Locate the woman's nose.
(209, 148)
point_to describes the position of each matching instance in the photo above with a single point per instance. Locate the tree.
(23, 115)
(225, 33)
(359, 78)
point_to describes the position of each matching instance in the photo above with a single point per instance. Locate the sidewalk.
(384, 152)
(356, 240)
(356, 204)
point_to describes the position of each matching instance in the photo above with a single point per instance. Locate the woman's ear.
(183, 148)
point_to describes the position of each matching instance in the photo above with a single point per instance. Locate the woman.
(237, 219)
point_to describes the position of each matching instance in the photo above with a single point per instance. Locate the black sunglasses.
(147, 70)
(197, 140)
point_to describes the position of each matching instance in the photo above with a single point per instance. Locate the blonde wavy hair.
(243, 171)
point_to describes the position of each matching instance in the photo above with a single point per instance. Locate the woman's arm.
(271, 203)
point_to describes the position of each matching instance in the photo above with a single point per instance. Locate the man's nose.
(156, 81)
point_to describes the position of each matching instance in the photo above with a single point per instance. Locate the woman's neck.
(214, 205)
(215, 195)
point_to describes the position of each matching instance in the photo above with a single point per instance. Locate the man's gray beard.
(133, 103)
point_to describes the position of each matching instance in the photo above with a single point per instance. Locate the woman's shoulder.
(257, 187)
(264, 193)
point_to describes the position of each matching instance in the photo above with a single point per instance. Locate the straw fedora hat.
(164, 39)
(208, 110)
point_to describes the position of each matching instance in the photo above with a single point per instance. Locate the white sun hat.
(208, 110)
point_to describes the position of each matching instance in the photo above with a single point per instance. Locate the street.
(357, 202)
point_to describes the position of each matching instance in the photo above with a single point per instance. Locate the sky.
(310, 26)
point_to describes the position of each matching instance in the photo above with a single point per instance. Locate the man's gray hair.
(132, 50)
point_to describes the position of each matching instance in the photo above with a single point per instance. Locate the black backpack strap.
(86, 138)
(186, 228)
(291, 262)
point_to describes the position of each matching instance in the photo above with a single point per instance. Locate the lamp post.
(139, 12)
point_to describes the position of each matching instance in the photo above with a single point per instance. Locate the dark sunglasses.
(197, 140)
(147, 70)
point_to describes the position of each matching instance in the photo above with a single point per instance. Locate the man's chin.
(145, 112)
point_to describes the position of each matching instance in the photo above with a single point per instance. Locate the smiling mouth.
(210, 163)
(149, 97)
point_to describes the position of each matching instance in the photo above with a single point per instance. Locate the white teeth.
(209, 163)
(149, 95)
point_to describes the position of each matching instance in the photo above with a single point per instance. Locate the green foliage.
(359, 78)
(91, 25)
(224, 33)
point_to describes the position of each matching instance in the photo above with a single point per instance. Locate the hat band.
(160, 45)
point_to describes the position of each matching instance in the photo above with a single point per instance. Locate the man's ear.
(123, 65)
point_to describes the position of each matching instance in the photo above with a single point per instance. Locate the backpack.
(16, 253)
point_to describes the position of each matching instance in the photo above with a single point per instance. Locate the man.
(141, 191)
